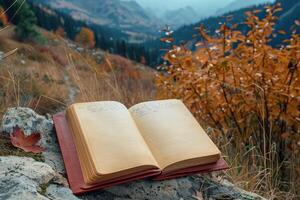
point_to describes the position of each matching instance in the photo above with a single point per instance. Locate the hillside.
(182, 16)
(114, 39)
(52, 75)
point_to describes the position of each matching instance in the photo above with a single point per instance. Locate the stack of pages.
(104, 143)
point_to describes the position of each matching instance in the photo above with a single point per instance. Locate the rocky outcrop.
(31, 122)
(24, 178)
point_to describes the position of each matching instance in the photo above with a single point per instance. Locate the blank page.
(173, 134)
(111, 136)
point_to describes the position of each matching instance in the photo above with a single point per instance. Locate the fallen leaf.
(282, 32)
(27, 143)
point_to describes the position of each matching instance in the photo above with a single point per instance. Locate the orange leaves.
(237, 83)
(281, 32)
(277, 10)
(167, 40)
(27, 143)
(86, 37)
(203, 34)
(244, 91)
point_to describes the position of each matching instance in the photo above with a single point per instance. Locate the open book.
(109, 144)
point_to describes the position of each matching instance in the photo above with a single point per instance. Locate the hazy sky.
(205, 6)
(182, 3)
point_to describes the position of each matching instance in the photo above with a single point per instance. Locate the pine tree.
(23, 17)
(26, 26)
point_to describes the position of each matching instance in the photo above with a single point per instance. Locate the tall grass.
(115, 78)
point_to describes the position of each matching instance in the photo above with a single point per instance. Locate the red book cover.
(74, 173)
(72, 165)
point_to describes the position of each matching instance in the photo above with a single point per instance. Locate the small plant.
(247, 93)
(86, 37)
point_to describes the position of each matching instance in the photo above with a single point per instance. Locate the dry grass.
(250, 172)
(27, 75)
(49, 77)
(115, 79)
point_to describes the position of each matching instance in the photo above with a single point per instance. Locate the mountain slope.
(287, 17)
(126, 15)
(189, 35)
(287, 20)
(47, 79)
(180, 17)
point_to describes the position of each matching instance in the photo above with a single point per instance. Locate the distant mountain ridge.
(126, 15)
(286, 19)
(240, 4)
(189, 35)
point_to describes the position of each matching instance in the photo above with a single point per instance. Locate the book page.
(111, 137)
(173, 134)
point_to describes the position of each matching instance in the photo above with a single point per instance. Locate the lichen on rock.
(20, 178)
(26, 119)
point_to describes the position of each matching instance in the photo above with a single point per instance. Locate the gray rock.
(58, 192)
(186, 188)
(26, 119)
(31, 122)
(24, 178)
(20, 178)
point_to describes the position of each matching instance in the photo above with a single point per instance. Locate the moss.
(7, 149)
(43, 188)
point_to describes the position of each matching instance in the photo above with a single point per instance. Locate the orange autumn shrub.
(247, 94)
(3, 17)
(86, 37)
